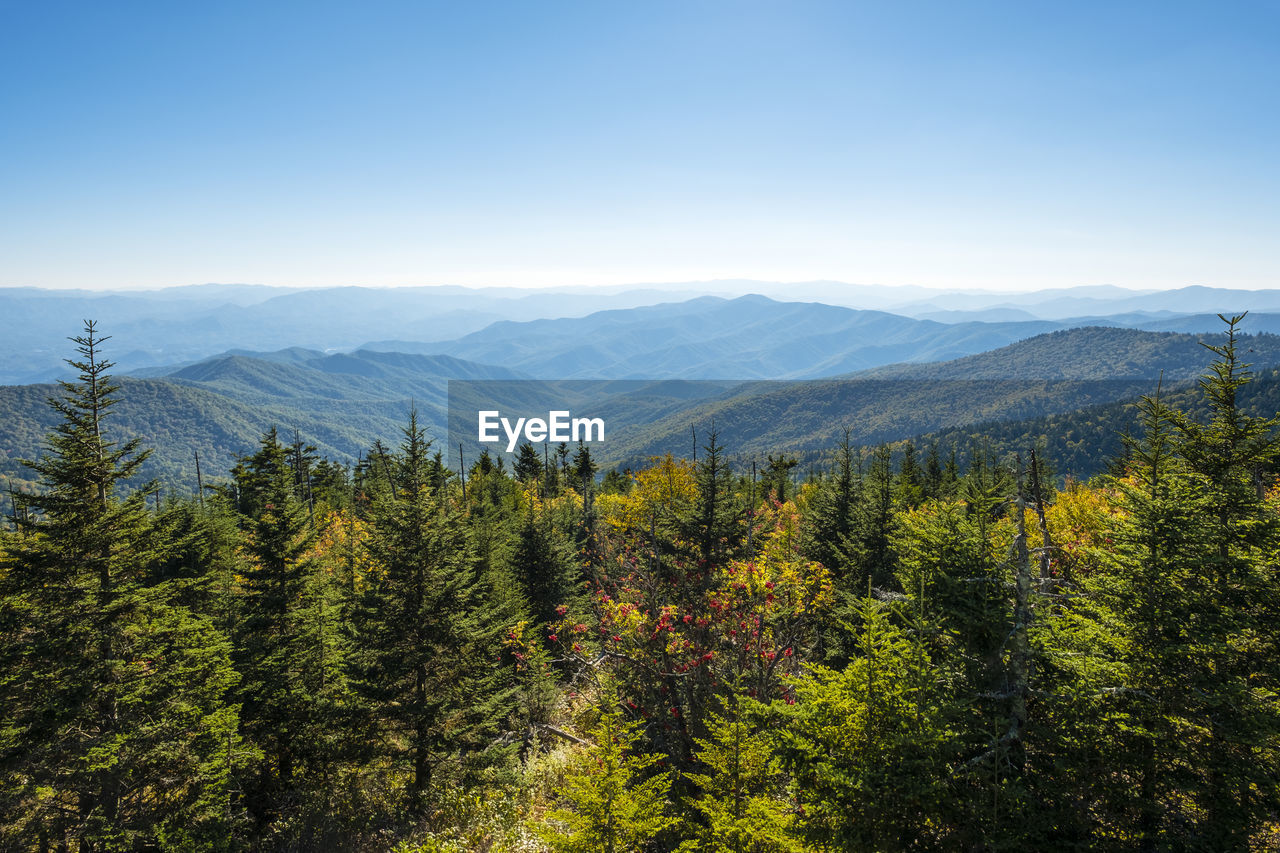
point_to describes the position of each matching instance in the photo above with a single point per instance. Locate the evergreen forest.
(913, 649)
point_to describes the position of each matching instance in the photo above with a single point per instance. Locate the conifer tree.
(867, 746)
(542, 564)
(933, 475)
(911, 479)
(947, 567)
(715, 521)
(777, 475)
(528, 467)
(830, 518)
(616, 482)
(950, 473)
(583, 470)
(874, 525)
(285, 637)
(1148, 590)
(1237, 674)
(429, 629)
(616, 801)
(829, 539)
(116, 731)
(741, 799)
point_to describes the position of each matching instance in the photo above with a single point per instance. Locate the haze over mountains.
(186, 324)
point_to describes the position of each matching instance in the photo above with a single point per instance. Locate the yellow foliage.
(665, 485)
(1080, 518)
(787, 583)
(568, 501)
(340, 547)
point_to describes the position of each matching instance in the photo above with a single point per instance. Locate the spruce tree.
(117, 733)
(741, 804)
(830, 518)
(911, 479)
(284, 635)
(429, 629)
(714, 524)
(543, 565)
(872, 538)
(1148, 591)
(528, 467)
(868, 746)
(583, 470)
(932, 472)
(777, 475)
(616, 800)
(1228, 456)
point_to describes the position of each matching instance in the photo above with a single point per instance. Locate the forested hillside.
(342, 403)
(178, 421)
(1050, 375)
(399, 656)
(1086, 441)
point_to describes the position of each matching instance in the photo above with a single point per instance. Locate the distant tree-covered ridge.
(342, 403)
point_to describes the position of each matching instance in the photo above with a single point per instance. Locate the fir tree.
(528, 467)
(831, 514)
(933, 474)
(1148, 590)
(715, 521)
(911, 479)
(741, 790)
(584, 467)
(616, 482)
(777, 475)
(868, 746)
(615, 802)
(1228, 456)
(874, 525)
(429, 629)
(284, 635)
(541, 562)
(117, 733)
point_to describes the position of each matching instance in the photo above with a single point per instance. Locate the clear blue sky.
(951, 144)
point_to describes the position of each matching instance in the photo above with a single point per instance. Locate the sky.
(1008, 146)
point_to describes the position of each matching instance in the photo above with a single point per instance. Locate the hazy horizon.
(740, 286)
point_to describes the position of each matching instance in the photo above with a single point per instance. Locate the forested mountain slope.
(343, 402)
(1083, 442)
(1090, 353)
(176, 420)
(221, 407)
(1053, 373)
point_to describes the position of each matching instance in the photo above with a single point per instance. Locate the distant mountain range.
(1050, 374)
(750, 337)
(343, 402)
(850, 325)
(177, 325)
